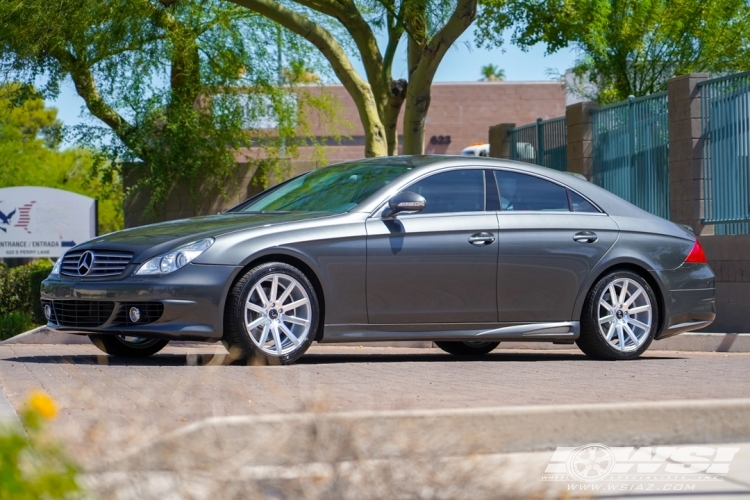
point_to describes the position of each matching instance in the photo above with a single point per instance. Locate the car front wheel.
(619, 318)
(272, 315)
(127, 346)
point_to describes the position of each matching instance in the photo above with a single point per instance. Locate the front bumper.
(192, 299)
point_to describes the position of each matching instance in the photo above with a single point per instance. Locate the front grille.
(80, 313)
(150, 312)
(104, 263)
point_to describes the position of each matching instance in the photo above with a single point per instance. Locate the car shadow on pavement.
(211, 359)
(442, 358)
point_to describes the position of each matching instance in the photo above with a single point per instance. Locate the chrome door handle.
(482, 238)
(585, 237)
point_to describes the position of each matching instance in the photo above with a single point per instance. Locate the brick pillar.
(686, 152)
(580, 148)
(500, 140)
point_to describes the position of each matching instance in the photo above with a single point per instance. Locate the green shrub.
(13, 323)
(20, 304)
(32, 466)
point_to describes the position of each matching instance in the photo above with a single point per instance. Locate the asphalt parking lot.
(109, 405)
(355, 378)
(184, 383)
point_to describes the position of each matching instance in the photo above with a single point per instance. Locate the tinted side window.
(526, 192)
(455, 191)
(580, 204)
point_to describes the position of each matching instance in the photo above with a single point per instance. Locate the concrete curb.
(45, 335)
(334, 437)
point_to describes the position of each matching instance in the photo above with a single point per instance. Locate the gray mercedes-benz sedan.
(465, 252)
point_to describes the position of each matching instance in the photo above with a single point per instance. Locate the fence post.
(539, 142)
(580, 151)
(686, 152)
(500, 140)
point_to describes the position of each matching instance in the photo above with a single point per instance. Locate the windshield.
(337, 189)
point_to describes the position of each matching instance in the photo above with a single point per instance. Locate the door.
(549, 239)
(439, 265)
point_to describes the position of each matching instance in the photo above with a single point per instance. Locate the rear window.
(521, 192)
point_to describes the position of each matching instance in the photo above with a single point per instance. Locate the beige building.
(460, 114)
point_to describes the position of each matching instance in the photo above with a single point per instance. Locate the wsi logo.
(24, 217)
(598, 462)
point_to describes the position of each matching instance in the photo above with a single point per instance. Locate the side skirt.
(566, 331)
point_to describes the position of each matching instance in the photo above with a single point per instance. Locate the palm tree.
(492, 73)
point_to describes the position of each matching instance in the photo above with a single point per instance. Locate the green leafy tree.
(342, 29)
(492, 73)
(627, 47)
(29, 156)
(178, 87)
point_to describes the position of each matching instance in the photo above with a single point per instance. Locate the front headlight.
(56, 268)
(175, 259)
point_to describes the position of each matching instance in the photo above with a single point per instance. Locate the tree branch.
(462, 17)
(347, 13)
(86, 88)
(359, 89)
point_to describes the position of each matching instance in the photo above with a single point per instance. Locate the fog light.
(135, 314)
(47, 311)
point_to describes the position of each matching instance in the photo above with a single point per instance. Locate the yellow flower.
(42, 404)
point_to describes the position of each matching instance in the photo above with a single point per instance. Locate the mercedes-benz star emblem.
(85, 263)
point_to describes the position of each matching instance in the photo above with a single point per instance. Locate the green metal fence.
(543, 143)
(725, 126)
(631, 151)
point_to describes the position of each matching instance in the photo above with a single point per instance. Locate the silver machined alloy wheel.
(625, 315)
(278, 314)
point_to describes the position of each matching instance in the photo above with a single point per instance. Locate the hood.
(155, 239)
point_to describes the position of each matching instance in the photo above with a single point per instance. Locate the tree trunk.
(391, 113)
(375, 133)
(417, 104)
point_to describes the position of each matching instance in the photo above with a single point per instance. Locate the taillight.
(696, 255)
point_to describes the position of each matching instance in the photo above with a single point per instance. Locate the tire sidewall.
(114, 346)
(589, 323)
(240, 295)
(463, 349)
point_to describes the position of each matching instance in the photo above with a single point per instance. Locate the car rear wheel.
(128, 346)
(272, 315)
(619, 318)
(468, 348)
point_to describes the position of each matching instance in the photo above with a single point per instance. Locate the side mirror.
(405, 202)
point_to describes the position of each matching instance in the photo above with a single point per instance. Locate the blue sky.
(461, 63)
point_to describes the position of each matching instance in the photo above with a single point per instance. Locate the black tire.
(467, 348)
(115, 346)
(236, 337)
(592, 341)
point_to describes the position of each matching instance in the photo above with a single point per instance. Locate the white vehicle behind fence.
(477, 149)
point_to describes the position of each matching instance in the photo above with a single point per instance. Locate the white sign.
(43, 222)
